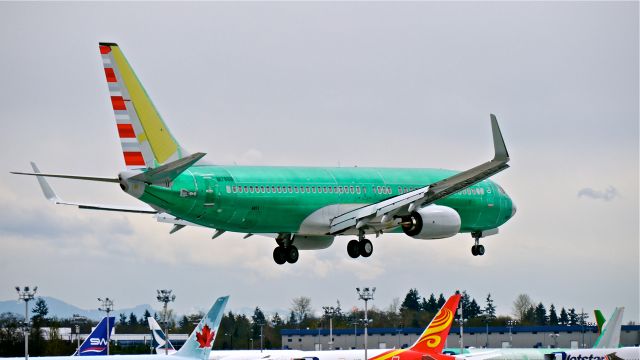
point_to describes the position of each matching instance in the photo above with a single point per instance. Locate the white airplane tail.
(160, 342)
(610, 336)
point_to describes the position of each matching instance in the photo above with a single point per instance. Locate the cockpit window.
(501, 190)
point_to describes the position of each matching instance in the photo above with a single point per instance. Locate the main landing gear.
(362, 247)
(285, 251)
(477, 249)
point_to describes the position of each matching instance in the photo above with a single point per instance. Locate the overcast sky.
(329, 84)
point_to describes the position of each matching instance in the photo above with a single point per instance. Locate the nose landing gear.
(477, 249)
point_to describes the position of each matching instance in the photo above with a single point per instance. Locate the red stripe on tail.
(132, 158)
(118, 103)
(111, 76)
(126, 131)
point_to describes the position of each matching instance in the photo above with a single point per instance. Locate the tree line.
(239, 331)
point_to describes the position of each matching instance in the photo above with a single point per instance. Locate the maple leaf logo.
(205, 337)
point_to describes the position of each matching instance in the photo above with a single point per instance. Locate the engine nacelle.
(312, 242)
(432, 222)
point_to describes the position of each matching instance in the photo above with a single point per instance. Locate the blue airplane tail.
(200, 342)
(96, 342)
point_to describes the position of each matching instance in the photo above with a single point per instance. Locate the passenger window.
(313, 189)
(228, 189)
(246, 189)
(330, 189)
(379, 189)
(239, 189)
(251, 188)
(233, 188)
(357, 189)
(351, 189)
(279, 189)
(289, 189)
(295, 189)
(267, 188)
(262, 188)
(307, 188)
(324, 189)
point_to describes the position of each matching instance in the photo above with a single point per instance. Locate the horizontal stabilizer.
(167, 172)
(48, 192)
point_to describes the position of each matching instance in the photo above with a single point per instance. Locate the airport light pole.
(26, 294)
(77, 319)
(107, 307)
(165, 296)
(355, 333)
(510, 324)
(366, 294)
(330, 312)
(261, 324)
(461, 321)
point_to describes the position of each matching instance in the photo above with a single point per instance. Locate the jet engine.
(432, 222)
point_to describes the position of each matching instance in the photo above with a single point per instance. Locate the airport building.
(478, 337)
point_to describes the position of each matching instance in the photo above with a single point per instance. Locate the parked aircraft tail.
(160, 342)
(200, 342)
(610, 335)
(599, 320)
(435, 335)
(96, 342)
(145, 138)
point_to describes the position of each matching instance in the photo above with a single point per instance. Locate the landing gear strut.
(285, 251)
(477, 249)
(362, 247)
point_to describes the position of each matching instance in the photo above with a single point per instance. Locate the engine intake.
(432, 222)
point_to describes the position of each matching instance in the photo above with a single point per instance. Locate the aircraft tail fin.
(158, 338)
(145, 138)
(610, 336)
(435, 335)
(199, 343)
(599, 320)
(96, 342)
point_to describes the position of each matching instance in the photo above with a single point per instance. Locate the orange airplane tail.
(435, 335)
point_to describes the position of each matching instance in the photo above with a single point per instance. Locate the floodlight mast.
(366, 294)
(165, 296)
(107, 306)
(26, 295)
(330, 312)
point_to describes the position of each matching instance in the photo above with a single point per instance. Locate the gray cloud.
(608, 194)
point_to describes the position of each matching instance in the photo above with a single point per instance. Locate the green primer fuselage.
(254, 199)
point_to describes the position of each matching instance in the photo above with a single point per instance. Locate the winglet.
(44, 185)
(501, 153)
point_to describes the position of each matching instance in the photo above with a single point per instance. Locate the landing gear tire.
(279, 255)
(477, 250)
(353, 248)
(292, 254)
(365, 247)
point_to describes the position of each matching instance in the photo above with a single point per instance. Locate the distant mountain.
(62, 309)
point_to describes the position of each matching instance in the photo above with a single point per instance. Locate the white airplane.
(623, 353)
(197, 347)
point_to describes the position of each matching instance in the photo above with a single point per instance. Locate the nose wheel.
(477, 249)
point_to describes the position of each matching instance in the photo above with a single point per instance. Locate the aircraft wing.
(408, 202)
(51, 196)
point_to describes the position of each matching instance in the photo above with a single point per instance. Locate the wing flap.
(429, 194)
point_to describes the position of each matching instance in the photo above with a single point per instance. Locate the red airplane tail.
(435, 335)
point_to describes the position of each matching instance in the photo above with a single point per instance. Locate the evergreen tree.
(432, 304)
(473, 310)
(541, 315)
(441, 300)
(573, 317)
(553, 317)
(123, 319)
(40, 311)
(411, 301)
(564, 317)
(292, 319)
(276, 321)
(257, 319)
(133, 319)
(146, 315)
(490, 309)
(464, 304)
